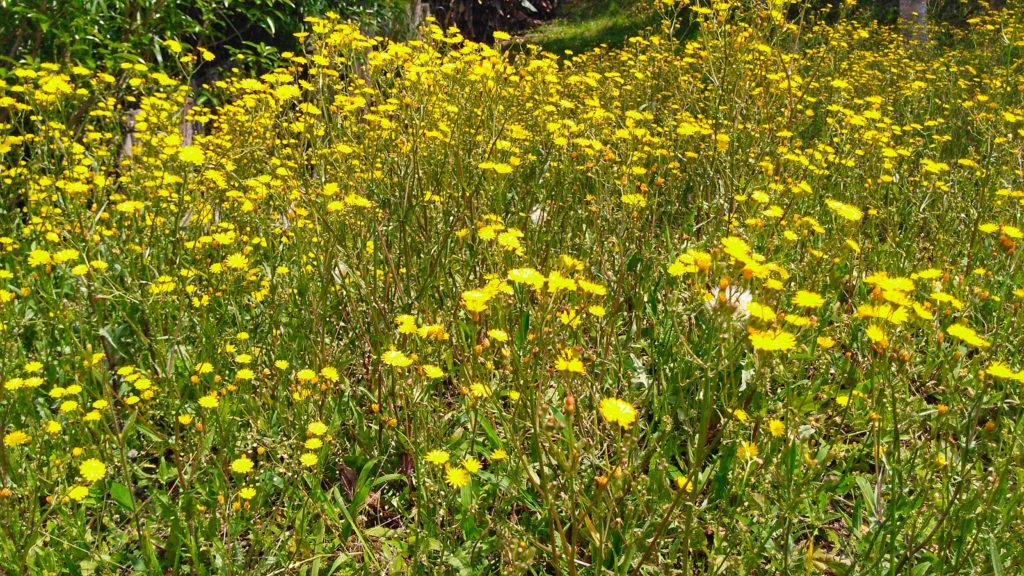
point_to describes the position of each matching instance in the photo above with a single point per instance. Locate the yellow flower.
(78, 493)
(237, 261)
(396, 358)
(805, 299)
(876, 335)
(433, 332)
(592, 288)
(568, 362)
(309, 459)
(472, 465)
(209, 401)
(760, 311)
(498, 454)
(432, 372)
(772, 340)
(242, 465)
(845, 211)
(683, 483)
(92, 470)
(638, 200)
(796, 320)
(456, 477)
(739, 414)
(438, 457)
(967, 335)
(192, 155)
(527, 276)
(776, 427)
(747, 451)
(247, 493)
(498, 335)
(1000, 370)
(569, 318)
(478, 390)
(16, 438)
(39, 258)
(691, 262)
(618, 411)
(557, 282)
(475, 300)
(316, 428)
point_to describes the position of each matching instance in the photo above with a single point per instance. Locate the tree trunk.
(418, 12)
(914, 20)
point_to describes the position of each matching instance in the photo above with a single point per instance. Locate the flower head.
(772, 340)
(618, 412)
(92, 470)
(242, 465)
(396, 358)
(16, 438)
(472, 465)
(78, 493)
(456, 477)
(967, 335)
(438, 457)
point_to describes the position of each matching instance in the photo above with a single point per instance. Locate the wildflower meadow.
(740, 296)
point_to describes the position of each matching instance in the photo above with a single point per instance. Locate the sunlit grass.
(744, 304)
(588, 24)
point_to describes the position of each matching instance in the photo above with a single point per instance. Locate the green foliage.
(744, 304)
(105, 32)
(584, 24)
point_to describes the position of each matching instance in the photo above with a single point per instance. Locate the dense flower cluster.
(735, 304)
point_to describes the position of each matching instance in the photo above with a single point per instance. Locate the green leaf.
(921, 569)
(997, 560)
(363, 486)
(122, 495)
(388, 478)
(868, 493)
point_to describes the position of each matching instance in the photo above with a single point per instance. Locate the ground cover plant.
(743, 303)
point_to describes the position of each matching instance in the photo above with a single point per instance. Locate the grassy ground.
(585, 24)
(745, 304)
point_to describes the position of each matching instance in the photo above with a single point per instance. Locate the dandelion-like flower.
(618, 412)
(242, 465)
(78, 493)
(772, 340)
(92, 470)
(396, 358)
(16, 438)
(437, 457)
(456, 477)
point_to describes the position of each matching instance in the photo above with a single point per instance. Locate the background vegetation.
(747, 302)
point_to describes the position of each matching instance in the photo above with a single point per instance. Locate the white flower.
(734, 299)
